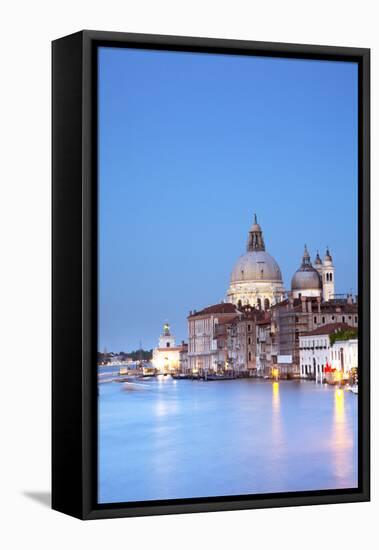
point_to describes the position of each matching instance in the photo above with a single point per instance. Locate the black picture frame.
(74, 273)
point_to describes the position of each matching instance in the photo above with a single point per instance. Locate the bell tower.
(328, 277)
(166, 339)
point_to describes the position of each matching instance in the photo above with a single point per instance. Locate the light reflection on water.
(342, 438)
(181, 439)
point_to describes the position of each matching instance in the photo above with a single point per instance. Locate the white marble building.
(316, 352)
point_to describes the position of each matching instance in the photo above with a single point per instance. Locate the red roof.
(328, 329)
(228, 320)
(218, 308)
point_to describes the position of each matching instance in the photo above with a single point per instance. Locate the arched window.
(168, 344)
(249, 355)
(259, 303)
(330, 277)
(267, 303)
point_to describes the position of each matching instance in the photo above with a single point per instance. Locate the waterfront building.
(344, 356)
(256, 294)
(266, 355)
(317, 353)
(183, 358)
(293, 317)
(166, 357)
(242, 341)
(256, 278)
(207, 337)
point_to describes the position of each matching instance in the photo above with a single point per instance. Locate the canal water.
(164, 439)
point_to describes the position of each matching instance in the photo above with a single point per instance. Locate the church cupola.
(255, 241)
(318, 260)
(306, 258)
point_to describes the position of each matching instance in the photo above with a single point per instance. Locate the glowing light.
(275, 372)
(338, 375)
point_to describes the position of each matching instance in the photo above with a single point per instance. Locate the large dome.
(256, 278)
(256, 265)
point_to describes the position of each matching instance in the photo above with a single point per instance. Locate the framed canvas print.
(210, 275)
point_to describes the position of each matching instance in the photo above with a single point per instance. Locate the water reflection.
(182, 439)
(277, 429)
(342, 442)
(275, 398)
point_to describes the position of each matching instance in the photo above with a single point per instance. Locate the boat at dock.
(211, 377)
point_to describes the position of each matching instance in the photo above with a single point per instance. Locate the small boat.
(353, 389)
(180, 376)
(212, 377)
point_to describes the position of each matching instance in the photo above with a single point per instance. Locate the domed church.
(312, 281)
(307, 280)
(256, 278)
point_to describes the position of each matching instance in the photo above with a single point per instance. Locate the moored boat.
(212, 377)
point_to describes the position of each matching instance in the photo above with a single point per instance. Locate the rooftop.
(328, 329)
(217, 308)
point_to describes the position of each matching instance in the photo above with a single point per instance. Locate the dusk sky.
(190, 146)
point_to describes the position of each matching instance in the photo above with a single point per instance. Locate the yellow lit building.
(166, 356)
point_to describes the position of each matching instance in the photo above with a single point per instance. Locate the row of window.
(343, 319)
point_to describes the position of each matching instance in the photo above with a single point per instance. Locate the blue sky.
(190, 146)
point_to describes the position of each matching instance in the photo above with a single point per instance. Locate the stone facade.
(207, 338)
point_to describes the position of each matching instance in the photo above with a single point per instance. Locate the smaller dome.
(306, 277)
(306, 280)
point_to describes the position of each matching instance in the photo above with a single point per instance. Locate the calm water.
(164, 439)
